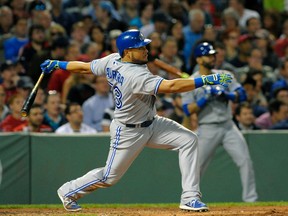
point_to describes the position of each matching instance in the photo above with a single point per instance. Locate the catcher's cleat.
(194, 205)
(69, 204)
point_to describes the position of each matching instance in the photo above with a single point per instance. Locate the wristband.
(241, 94)
(198, 82)
(186, 110)
(230, 96)
(201, 102)
(63, 65)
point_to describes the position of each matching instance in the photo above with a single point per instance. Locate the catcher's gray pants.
(127, 143)
(213, 135)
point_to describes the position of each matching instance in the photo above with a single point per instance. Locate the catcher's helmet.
(204, 49)
(131, 39)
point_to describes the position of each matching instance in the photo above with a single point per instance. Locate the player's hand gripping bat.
(170, 69)
(30, 100)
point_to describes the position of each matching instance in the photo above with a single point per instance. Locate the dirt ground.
(215, 211)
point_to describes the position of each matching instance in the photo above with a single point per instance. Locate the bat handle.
(38, 81)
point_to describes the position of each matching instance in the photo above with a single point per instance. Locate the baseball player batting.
(215, 125)
(135, 123)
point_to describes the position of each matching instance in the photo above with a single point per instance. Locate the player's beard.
(137, 61)
(209, 65)
(141, 62)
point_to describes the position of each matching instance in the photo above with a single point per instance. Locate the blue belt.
(143, 124)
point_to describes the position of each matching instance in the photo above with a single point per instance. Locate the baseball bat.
(30, 99)
(169, 68)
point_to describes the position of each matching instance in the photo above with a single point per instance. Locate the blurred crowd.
(251, 39)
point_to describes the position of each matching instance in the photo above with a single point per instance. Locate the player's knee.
(191, 140)
(193, 137)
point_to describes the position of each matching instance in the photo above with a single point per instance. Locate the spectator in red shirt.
(4, 110)
(59, 76)
(34, 123)
(14, 119)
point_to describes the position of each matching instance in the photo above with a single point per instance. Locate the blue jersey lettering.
(115, 75)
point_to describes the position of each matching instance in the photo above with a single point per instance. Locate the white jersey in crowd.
(134, 88)
(67, 129)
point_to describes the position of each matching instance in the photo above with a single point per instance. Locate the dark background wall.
(34, 166)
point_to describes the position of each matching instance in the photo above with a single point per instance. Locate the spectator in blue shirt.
(192, 33)
(95, 106)
(13, 44)
(145, 15)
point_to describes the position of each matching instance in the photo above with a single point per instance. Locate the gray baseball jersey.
(135, 90)
(217, 128)
(216, 110)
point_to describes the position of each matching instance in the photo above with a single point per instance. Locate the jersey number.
(117, 97)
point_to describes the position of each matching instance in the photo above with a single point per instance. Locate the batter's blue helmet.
(204, 49)
(131, 39)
